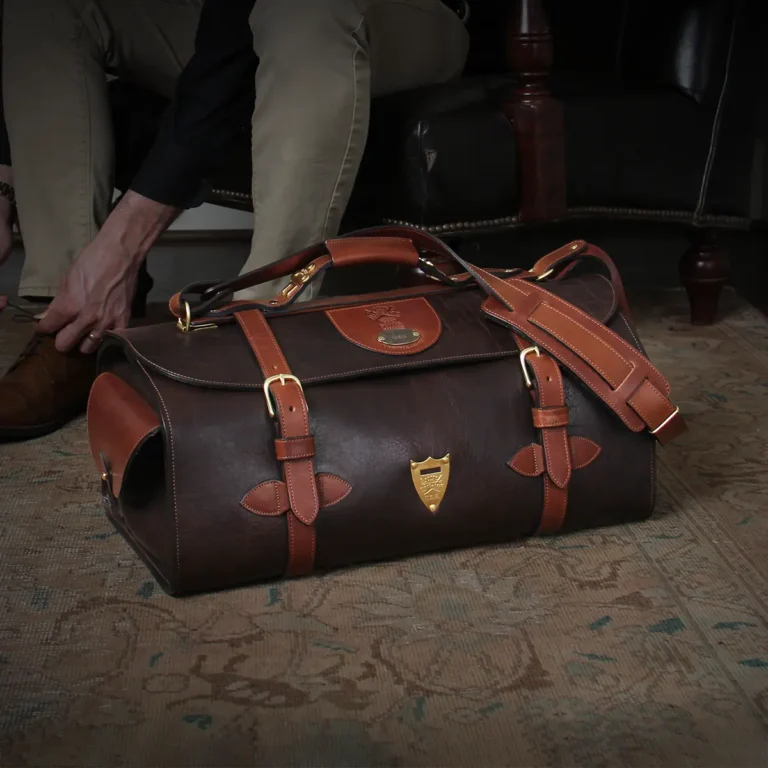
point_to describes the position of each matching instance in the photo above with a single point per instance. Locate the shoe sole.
(9, 434)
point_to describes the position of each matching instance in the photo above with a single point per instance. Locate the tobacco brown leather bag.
(250, 440)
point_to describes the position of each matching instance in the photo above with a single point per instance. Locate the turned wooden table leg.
(537, 118)
(704, 270)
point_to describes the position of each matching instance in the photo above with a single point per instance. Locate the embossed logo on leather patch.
(385, 315)
(430, 478)
(402, 327)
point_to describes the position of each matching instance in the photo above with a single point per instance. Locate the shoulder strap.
(620, 375)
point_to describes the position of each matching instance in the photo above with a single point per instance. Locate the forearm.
(135, 224)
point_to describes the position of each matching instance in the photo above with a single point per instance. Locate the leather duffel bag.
(255, 439)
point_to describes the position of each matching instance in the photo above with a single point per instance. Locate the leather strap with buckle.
(294, 447)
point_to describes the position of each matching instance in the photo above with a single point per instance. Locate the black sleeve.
(213, 100)
(5, 148)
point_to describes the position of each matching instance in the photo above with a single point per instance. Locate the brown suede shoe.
(44, 389)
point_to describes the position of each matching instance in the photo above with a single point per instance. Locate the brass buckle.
(282, 378)
(666, 421)
(185, 325)
(298, 279)
(523, 355)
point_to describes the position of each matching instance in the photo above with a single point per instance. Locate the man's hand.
(94, 297)
(96, 294)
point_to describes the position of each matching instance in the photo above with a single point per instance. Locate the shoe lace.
(31, 349)
(23, 315)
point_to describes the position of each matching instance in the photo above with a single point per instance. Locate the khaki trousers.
(321, 61)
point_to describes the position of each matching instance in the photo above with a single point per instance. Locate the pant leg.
(56, 55)
(319, 65)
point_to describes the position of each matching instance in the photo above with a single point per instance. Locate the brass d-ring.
(184, 325)
(523, 355)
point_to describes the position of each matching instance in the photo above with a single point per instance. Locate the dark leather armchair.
(629, 109)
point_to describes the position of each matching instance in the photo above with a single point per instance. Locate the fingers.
(69, 337)
(91, 342)
(55, 318)
(87, 334)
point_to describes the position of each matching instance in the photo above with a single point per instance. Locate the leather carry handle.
(377, 245)
(357, 248)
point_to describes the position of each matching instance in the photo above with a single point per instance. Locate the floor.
(644, 645)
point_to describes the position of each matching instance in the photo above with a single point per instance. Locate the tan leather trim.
(270, 499)
(119, 421)
(528, 461)
(302, 547)
(558, 256)
(550, 393)
(333, 489)
(562, 259)
(293, 421)
(547, 418)
(555, 507)
(656, 410)
(174, 305)
(605, 362)
(291, 448)
(365, 325)
(550, 414)
(584, 451)
(585, 342)
(352, 251)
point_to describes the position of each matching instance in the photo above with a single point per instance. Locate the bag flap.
(330, 343)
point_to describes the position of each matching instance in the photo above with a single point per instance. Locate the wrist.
(136, 223)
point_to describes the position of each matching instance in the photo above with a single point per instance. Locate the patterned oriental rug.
(634, 646)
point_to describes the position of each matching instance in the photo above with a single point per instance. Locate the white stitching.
(629, 328)
(267, 332)
(348, 489)
(173, 375)
(584, 380)
(591, 442)
(537, 362)
(590, 321)
(511, 464)
(580, 352)
(655, 392)
(633, 352)
(276, 487)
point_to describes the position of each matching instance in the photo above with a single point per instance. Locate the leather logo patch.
(404, 327)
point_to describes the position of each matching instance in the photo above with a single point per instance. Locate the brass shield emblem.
(430, 478)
